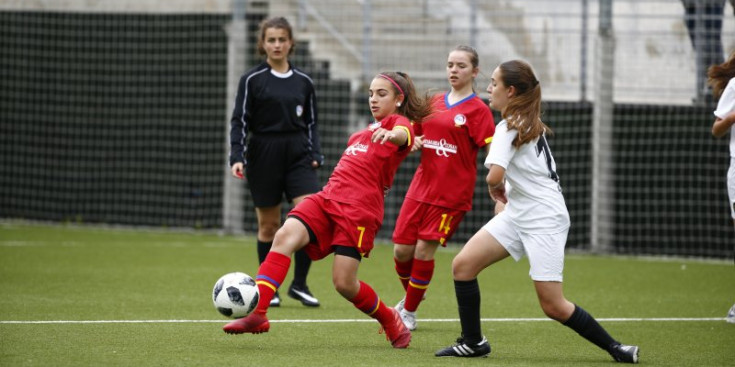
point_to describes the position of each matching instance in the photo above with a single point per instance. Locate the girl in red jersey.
(442, 188)
(344, 217)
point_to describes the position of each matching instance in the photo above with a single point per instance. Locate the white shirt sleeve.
(726, 105)
(501, 149)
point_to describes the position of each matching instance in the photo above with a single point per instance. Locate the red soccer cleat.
(254, 323)
(396, 331)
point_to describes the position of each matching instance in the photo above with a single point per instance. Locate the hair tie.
(393, 82)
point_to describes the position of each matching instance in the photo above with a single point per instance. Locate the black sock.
(302, 264)
(586, 326)
(468, 304)
(263, 249)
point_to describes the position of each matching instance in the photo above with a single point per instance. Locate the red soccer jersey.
(452, 137)
(365, 172)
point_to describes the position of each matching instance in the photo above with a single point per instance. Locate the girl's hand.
(497, 193)
(238, 170)
(496, 184)
(722, 126)
(418, 143)
(382, 135)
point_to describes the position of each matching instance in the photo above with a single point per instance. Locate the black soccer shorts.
(278, 165)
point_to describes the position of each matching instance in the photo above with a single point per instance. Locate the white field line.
(614, 319)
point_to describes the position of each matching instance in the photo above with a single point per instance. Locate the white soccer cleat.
(409, 319)
(399, 306)
(731, 315)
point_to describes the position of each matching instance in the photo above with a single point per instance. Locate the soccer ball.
(235, 295)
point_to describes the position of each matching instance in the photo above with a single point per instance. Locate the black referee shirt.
(269, 102)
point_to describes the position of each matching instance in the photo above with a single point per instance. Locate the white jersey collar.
(282, 75)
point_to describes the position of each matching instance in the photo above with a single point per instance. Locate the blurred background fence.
(118, 112)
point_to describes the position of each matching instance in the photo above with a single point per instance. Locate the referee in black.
(274, 142)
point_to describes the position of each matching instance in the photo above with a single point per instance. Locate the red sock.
(271, 274)
(369, 303)
(421, 275)
(404, 271)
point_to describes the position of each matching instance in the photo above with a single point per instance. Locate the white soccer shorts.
(545, 252)
(731, 186)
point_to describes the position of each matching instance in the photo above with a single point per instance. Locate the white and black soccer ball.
(235, 295)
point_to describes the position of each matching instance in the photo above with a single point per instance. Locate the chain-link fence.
(117, 112)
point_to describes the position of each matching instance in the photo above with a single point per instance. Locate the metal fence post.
(583, 52)
(232, 200)
(602, 128)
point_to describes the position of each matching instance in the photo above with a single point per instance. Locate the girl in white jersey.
(722, 80)
(535, 221)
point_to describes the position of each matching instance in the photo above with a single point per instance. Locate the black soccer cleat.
(463, 349)
(624, 353)
(303, 295)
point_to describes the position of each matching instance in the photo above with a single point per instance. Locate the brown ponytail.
(720, 75)
(523, 112)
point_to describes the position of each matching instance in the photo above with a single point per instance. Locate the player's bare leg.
(289, 239)
(365, 299)
(298, 289)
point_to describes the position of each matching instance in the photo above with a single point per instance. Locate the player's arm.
(311, 124)
(418, 139)
(482, 129)
(238, 132)
(397, 136)
(418, 143)
(400, 135)
(722, 126)
(496, 183)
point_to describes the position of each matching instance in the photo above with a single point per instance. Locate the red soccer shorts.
(335, 223)
(427, 222)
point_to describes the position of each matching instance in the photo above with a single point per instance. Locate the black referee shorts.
(279, 164)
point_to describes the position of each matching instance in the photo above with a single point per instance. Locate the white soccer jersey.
(535, 202)
(726, 106)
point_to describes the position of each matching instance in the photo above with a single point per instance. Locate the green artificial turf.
(91, 296)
